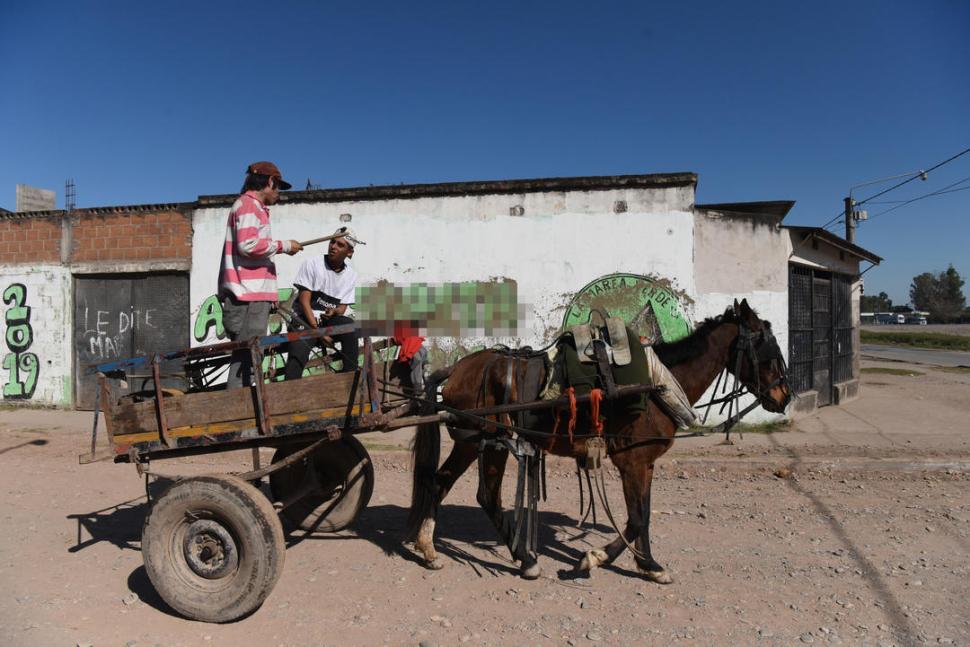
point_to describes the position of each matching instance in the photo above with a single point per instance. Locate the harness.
(757, 347)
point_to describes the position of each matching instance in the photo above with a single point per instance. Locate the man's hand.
(292, 247)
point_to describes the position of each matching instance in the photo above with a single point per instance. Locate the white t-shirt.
(328, 288)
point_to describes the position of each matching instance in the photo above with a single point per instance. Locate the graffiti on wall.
(107, 333)
(649, 305)
(484, 308)
(22, 367)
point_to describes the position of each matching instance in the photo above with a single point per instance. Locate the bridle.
(750, 350)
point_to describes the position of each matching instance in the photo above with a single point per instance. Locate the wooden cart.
(213, 545)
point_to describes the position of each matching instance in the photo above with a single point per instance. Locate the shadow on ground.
(37, 443)
(119, 524)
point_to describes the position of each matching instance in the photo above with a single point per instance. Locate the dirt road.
(865, 543)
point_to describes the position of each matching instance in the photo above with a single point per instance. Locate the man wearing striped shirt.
(247, 278)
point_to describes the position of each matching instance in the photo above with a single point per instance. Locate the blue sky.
(162, 102)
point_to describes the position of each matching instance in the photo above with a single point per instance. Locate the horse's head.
(756, 360)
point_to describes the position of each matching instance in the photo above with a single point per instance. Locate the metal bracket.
(160, 402)
(595, 453)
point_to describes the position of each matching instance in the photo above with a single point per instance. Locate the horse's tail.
(425, 454)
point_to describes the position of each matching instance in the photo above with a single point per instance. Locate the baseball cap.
(268, 168)
(350, 236)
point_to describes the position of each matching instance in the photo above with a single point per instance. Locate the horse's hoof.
(435, 565)
(660, 577)
(592, 559)
(531, 572)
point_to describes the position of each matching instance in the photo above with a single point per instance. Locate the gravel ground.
(865, 542)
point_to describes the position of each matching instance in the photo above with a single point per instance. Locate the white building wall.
(37, 326)
(562, 241)
(742, 258)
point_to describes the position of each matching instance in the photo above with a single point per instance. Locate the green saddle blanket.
(585, 376)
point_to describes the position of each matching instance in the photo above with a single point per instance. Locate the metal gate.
(121, 315)
(820, 331)
(822, 337)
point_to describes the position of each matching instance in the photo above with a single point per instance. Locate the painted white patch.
(46, 293)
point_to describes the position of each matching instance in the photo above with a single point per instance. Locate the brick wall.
(30, 240)
(115, 235)
(133, 236)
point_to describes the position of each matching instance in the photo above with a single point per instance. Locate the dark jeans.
(299, 350)
(243, 320)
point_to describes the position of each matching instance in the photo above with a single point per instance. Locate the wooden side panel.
(198, 409)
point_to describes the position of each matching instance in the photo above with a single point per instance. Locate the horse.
(737, 341)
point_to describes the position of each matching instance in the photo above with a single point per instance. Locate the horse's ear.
(736, 305)
(746, 313)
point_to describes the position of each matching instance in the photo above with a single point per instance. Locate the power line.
(947, 189)
(896, 186)
(920, 174)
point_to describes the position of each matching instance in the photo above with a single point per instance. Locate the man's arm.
(304, 301)
(249, 243)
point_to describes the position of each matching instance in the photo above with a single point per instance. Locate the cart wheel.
(329, 497)
(213, 547)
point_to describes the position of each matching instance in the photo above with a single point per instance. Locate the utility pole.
(850, 220)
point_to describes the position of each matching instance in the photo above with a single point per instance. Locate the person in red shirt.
(412, 352)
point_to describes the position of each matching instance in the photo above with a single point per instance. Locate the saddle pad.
(618, 348)
(584, 377)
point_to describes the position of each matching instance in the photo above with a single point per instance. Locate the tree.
(941, 294)
(876, 303)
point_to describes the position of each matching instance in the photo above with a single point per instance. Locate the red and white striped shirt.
(248, 271)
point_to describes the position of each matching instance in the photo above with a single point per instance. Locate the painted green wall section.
(648, 304)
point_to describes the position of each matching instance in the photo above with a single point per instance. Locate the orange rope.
(595, 397)
(571, 392)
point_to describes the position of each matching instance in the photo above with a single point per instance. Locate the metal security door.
(822, 338)
(119, 316)
(842, 328)
(800, 349)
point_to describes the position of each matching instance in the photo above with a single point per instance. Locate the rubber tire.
(344, 470)
(250, 520)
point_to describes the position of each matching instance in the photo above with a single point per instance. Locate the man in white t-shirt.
(326, 285)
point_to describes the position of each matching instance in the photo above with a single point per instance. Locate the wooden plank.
(199, 409)
(220, 428)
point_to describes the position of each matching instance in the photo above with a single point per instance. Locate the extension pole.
(314, 241)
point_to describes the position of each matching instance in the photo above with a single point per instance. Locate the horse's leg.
(645, 561)
(605, 555)
(461, 457)
(490, 498)
(637, 480)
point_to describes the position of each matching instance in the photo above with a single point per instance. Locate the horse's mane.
(677, 352)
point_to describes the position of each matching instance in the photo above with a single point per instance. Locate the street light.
(852, 216)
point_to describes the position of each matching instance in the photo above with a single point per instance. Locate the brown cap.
(268, 168)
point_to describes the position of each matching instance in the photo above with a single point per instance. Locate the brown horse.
(737, 341)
